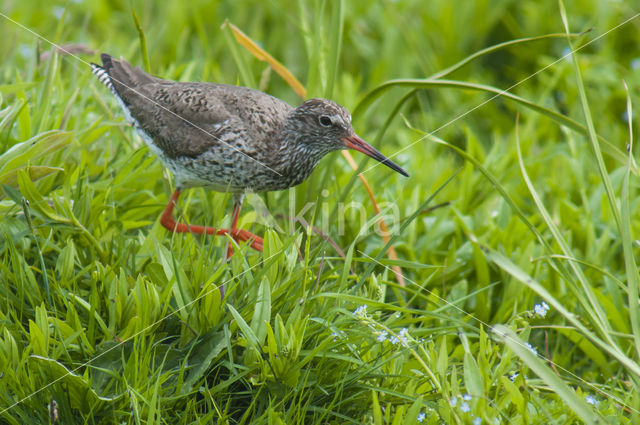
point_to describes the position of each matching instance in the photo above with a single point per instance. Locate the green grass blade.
(246, 76)
(561, 119)
(591, 130)
(143, 40)
(631, 267)
(508, 266)
(554, 382)
(404, 225)
(346, 189)
(492, 49)
(591, 306)
(45, 278)
(335, 45)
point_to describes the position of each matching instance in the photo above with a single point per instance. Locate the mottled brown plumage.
(229, 138)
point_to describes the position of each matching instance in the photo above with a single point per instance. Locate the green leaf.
(37, 339)
(272, 246)
(272, 344)
(208, 348)
(413, 412)
(443, 357)
(27, 152)
(262, 312)
(78, 388)
(87, 306)
(8, 114)
(24, 117)
(36, 202)
(515, 396)
(376, 409)
(245, 328)
(346, 267)
(36, 172)
(15, 87)
(472, 376)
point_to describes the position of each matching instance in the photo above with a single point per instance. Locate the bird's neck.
(298, 157)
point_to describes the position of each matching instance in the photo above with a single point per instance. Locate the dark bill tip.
(356, 143)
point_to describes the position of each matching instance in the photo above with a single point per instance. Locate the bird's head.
(322, 126)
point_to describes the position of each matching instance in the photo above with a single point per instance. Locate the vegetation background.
(107, 318)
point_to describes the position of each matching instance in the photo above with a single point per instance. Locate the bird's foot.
(239, 235)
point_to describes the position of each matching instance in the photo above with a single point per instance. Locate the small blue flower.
(394, 339)
(466, 397)
(465, 407)
(477, 421)
(514, 376)
(591, 400)
(361, 311)
(337, 335)
(635, 63)
(421, 417)
(382, 336)
(541, 309)
(530, 347)
(403, 334)
(453, 401)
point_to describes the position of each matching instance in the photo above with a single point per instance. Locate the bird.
(228, 138)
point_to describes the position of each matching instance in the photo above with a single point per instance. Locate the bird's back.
(224, 134)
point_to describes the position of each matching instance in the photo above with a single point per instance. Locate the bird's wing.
(186, 119)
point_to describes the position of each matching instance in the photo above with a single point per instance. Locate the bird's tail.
(119, 75)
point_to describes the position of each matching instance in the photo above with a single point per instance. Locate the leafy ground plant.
(501, 288)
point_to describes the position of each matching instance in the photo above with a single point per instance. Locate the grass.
(531, 197)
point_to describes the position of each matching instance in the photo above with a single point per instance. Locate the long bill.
(355, 142)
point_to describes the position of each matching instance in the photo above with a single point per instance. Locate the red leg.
(234, 223)
(166, 219)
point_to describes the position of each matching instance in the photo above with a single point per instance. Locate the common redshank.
(229, 138)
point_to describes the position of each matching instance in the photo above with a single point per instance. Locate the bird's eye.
(325, 121)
